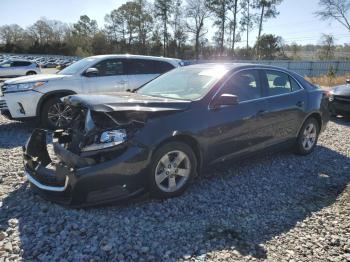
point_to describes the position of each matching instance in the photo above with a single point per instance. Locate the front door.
(6, 69)
(111, 77)
(238, 129)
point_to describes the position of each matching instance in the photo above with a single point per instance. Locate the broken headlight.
(108, 139)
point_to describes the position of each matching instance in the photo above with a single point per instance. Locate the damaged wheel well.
(190, 141)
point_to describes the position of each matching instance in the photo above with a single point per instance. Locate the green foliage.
(331, 74)
(269, 46)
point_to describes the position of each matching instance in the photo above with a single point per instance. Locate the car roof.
(160, 58)
(237, 66)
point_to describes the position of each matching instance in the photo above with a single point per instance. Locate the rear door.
(286, 102)
(111, 77)
(141, 71)
(239, 129)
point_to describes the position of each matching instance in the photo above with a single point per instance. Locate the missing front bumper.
(73, 180)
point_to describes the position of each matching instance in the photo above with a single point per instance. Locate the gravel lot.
(277, 207)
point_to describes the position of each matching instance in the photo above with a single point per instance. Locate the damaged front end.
(96, 159)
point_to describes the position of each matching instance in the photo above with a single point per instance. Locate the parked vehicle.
(13, 68)
(340, 100)
(39, 96)
(160, 136)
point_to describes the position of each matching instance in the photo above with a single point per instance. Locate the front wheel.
(173, 167)
(308, 136)
(55, 114)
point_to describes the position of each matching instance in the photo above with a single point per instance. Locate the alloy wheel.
(172, 171)
(309, 136)
(60, 115)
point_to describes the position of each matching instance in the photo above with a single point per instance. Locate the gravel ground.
(276, 207)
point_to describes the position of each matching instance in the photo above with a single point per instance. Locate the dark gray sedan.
(159, 137)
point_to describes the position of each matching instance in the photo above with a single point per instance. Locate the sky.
(295, 23)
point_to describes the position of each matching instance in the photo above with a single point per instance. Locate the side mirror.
(348, 81)
(91, 72)
(225, 100)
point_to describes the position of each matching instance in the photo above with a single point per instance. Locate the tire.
(31, 73)
(308, 137)
(167, 175)
(48, 109)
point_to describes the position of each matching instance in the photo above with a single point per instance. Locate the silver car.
(12, 68)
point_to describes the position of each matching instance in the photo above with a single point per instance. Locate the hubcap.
(309, 136)
(60, 115)
(172, 171)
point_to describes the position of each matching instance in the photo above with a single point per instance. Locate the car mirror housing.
(225, 100)
(91, 72)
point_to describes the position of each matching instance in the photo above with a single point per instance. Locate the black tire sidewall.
(44, 112)
(154, 190)
(299, 147)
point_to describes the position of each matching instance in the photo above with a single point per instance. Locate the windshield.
(77, 66)
(184, 83)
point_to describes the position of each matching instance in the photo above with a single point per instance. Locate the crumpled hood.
(343, 90)
(125, 101)
(33, 78)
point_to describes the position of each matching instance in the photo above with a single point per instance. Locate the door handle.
(122, 82)
(300, 104)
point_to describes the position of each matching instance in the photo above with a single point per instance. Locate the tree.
(328, 47)
(144, 23)
(115, 26)
(196, 12)
(267, 10)
(10, 34)
(163, 10)
(270, 46)
(248, 19)
(335, 10)
(85, 27)
(234, 37)
(219, 9)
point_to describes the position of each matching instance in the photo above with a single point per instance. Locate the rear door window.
(140, 67)
(20, 63)
(162, 67)
(146, 66)
(279, 83)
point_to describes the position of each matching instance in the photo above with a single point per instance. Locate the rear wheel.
(55, 114)
(172, 169)
(308, 136)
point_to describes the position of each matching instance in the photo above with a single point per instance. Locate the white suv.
(13, 68)
(39, 95)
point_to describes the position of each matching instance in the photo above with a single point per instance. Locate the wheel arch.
(315, 115)
(188, 140)
(31, 71)
(52, 94)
